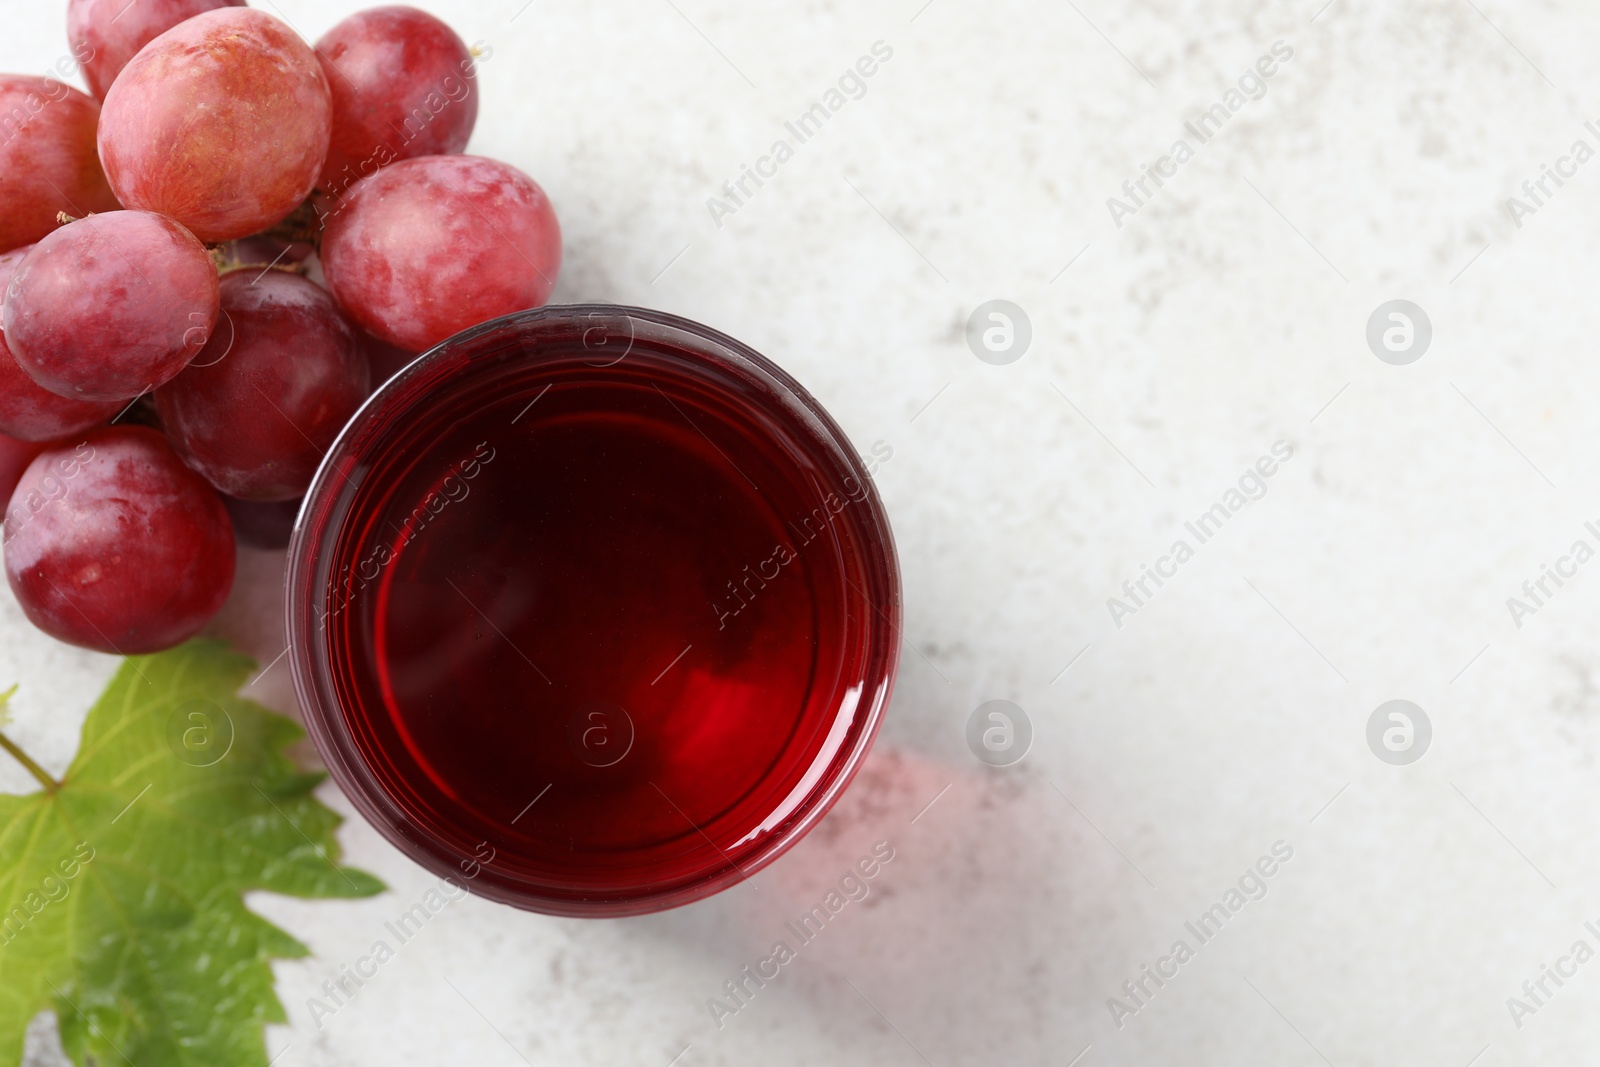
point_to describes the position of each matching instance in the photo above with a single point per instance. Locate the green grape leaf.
(121, 890)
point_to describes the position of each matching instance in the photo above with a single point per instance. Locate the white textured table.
(1229, 709)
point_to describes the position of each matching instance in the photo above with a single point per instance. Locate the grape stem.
(283, 268)
(303, 226)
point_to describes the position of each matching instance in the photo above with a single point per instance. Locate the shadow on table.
(983, 939)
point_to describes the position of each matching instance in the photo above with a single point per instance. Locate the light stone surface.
(1229, 712)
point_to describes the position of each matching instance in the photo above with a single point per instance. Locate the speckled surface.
(1228, 712)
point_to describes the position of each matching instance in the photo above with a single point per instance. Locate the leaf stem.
(49, 783)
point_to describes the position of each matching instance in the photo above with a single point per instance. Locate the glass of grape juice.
(593, 610)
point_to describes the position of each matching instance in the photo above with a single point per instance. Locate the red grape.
(15, 456)
(113, 544)
(404, 85)
(35, 414)
(111, 305)
(108, 33)
(221, 122)
(257, 409)
(428, 247)
(27, 410)
(47, 158)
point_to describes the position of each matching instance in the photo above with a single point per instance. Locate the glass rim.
(311, 663)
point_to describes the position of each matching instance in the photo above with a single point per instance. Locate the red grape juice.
(594, 610)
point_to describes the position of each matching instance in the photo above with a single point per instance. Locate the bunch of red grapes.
(206, 267)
